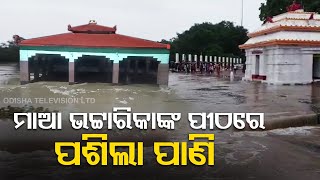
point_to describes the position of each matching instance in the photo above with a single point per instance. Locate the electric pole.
(242, 11)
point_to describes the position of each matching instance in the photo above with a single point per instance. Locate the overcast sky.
(149, 19)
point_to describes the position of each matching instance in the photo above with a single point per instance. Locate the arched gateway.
(94, 53)
(286, 49)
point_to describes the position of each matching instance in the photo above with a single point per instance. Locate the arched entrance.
(48, 67)
(316, 68)
(93, 69)
(138, 70)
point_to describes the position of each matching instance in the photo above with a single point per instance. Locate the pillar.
(24, 72)
(210, 59)
(177, 58)
(195, 58)
(196, 61)
(115, 73)
(223, 62)
(227, 62)
(163, 74)
(71, 73)
(190, 58)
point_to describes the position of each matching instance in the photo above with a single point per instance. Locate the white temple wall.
(288, 66)
(249, 65)
(281, 65)
(269, 63)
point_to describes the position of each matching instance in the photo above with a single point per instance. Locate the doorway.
(49, 67)
(138, 70)
(93, 69)
(316, 68)
(257, 67)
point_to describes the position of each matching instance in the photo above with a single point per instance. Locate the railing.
(224, 61)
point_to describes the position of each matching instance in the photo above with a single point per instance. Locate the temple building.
(94, 53)
(286, 49)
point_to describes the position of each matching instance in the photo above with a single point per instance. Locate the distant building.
(286, 49)
(94, 53)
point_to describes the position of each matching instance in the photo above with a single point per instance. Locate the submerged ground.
(290, 153)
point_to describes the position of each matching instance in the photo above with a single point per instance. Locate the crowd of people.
(203, 68)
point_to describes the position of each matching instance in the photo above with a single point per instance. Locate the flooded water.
(290, 153)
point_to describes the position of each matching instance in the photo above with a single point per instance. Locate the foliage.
(9, 52)
(220, 39)
(275, 7)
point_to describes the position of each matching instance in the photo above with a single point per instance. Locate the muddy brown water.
(290, 153)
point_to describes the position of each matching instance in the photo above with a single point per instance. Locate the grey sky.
(149, 19)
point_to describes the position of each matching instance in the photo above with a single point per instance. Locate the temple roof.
(93, 35)
(297, 26)
(93, 27)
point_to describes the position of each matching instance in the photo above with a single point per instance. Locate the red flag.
(312, 16)
(294, 6)
(269, 19)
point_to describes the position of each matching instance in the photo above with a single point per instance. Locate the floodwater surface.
(291, 153)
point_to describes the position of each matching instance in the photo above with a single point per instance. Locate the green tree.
(9, 52)
(220, 39)
(275, 7)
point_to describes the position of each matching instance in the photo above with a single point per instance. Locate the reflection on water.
(238, 154)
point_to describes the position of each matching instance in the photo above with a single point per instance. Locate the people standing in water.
(188, 67)
(185, 67)
(210, 68)
(201, 67)
(232, 73)
(218, 69)
(204, 67)
(193, 68)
